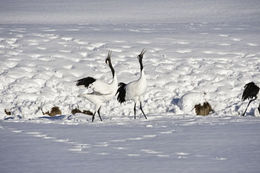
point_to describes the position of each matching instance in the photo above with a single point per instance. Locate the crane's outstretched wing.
(101, 87)
(85, 81)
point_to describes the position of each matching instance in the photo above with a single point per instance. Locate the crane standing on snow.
(250, 92)
(135, 89)
(102, 91)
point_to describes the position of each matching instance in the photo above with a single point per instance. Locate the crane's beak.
(140, 56)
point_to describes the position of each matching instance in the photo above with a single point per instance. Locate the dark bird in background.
(251, 92)
(135, 89)
(54, 111)
(204, 109)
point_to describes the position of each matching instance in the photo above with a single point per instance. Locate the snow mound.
(189, 100)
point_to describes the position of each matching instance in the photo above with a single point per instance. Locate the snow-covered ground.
(171, 144)
(40, 64)
(196, 50)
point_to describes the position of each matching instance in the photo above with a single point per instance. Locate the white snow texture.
(197, 51)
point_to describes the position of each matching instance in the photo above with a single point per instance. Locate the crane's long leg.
(142, 110)
(99, 113)
(135, 111)
(247, 106)
(93, 117)
(259, 108)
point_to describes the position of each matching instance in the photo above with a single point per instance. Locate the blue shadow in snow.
(59, 117)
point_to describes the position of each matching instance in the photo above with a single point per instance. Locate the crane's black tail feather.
(121, 92)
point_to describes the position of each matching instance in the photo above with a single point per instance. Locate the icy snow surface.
(196, 51)
(176, 144)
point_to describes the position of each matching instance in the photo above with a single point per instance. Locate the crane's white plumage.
(101, 88)
(135, 89)
(101, 91)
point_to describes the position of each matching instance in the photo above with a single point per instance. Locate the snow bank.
(40, 64)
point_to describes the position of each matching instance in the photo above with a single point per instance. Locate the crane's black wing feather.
(85, 81)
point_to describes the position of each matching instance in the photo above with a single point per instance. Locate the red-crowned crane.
(102, 92)
(251, 92)
(135, 89)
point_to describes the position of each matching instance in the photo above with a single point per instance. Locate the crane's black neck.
(111, 67)
(141, 62)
